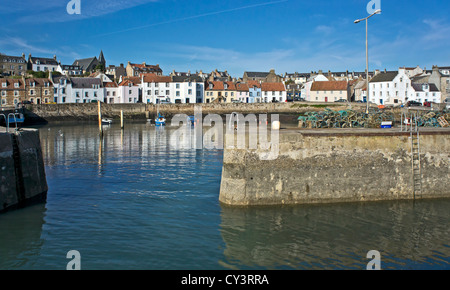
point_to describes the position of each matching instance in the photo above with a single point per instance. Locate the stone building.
(13, 65)
(12, 91)
(266, 77)
(135, 70)
(38, 90)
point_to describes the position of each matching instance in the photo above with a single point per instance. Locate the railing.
(7, 120)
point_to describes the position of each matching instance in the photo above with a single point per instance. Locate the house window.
(190, 92)
(31, 92)
(129, 92)
(86, 94)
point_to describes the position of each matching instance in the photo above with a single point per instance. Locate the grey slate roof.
(384, 77)
(11, 58)
(419, 87)
(85, 62)
(79, 83)
(252, 74)
(43, 60)
(181, 79)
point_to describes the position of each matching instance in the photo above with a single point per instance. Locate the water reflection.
(20, 240)
(408, 235)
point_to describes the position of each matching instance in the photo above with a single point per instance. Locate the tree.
(100, 67)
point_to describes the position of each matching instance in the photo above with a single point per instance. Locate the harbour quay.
(339, 165)
(23, 179)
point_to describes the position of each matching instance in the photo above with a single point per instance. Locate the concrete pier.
(339, 165)
(22, 171)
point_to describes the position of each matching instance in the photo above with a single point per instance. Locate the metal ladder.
(410, 119)
(415, 157)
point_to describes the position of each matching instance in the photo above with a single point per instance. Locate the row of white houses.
(153, 89)
(385, 88)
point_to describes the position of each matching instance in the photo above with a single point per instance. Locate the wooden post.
(99, 118)
(121, 119)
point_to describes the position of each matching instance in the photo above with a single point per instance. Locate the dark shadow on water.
(408, 235)
(20, 240)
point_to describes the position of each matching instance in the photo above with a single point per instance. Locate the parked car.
(341, 101)
(25, 103)
(447, 103)
(427, 104)
(299, 99)
(413, 104)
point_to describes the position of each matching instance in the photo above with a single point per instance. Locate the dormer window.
(225, 86)
(4, 85)
(210, 86)
(38, 62)
(16, 85)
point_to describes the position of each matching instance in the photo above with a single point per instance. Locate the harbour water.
(132, 200)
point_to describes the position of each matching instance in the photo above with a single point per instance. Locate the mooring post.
(99, 118)
(121, 119)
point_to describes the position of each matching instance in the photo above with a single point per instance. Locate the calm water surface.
(134, 201)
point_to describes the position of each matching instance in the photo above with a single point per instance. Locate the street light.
(367, 56)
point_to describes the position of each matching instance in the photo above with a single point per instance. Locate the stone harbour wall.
(23, 179)
(326, 168)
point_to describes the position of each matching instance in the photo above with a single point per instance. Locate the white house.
(306, 90)
(112, 93)
(391, 88)
(175, 89)
(42, 64)
(77, 90)
(69, 70)
(426, 92)
(273, 92)
(128, 92)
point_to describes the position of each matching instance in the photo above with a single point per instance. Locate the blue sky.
(237, 35)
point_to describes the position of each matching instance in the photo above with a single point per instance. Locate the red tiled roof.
(134, 80)
(110, 85)
(242, 87)
(270, 87)
(219, 86)
(329, 86)
(154, 78)
(10, 84)
(254, 84)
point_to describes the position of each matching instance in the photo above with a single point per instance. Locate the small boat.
(160, 121)
(106, 121)
(12, 118)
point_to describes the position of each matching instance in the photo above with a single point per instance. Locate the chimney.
(54, 57)
(144, 63)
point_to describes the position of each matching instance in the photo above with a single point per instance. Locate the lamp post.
(367, 56)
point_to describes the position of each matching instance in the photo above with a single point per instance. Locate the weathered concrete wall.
(51, 112)
(320, 168)
(23, 179)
